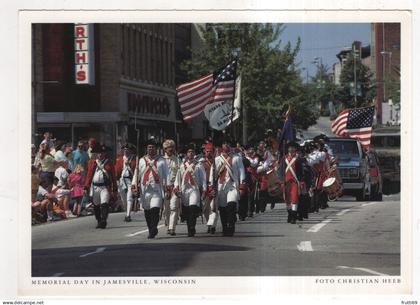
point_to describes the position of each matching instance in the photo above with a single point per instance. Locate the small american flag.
(214, 87)
(355, 123)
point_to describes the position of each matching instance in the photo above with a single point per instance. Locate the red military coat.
(119, 166)
(108, 167)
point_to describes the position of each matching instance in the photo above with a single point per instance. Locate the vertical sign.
(84, 58)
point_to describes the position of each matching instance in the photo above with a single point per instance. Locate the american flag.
(214, 87)
(355, 123)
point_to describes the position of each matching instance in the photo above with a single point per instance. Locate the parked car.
(352, 166)
(386, 142)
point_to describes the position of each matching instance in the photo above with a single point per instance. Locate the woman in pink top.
(76, 181)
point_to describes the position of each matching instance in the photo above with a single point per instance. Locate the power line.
(325, 48)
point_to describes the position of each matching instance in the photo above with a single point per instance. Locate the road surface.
(349, 238)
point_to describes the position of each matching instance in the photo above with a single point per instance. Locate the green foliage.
(366, 91)
(270, 78)
(322, 89)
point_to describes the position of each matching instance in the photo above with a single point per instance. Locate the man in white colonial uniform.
(150, 181)
(171, 202)
(209, 208)
(191, 185)
(124, 170)
(230, 185)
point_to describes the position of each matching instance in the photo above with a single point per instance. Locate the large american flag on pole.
(355, 123)
(214, 87)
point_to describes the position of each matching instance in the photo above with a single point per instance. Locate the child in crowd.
(61, 187)
(76, 182)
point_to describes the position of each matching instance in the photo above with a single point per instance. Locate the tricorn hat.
(99, 148)
(129, 146)
(188, 147)
(151, 141)
(292, 144)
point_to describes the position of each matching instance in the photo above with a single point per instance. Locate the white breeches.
(151, 197)
(210, 212)
(100, 195)
(227, 193)
(171, 211)
(292, 207)
(190, 196)
(126, 196)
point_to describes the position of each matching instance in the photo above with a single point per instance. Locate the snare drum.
(274, 185)
(333, 188)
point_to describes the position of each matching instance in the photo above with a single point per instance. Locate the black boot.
(231, 218)
(289, 216)
(147, 215)
(104, 215)
(293, 215)
(154, 220)
(97, 211)
(223, 220)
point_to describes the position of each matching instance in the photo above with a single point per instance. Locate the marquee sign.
(84, 59)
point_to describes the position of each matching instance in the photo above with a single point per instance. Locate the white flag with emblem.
(219, 114)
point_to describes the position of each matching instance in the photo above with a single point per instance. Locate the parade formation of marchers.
(220, 179)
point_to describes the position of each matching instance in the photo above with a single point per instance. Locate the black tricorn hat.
(97, 148)
(129, 146)
(321, 137)
(292, 144)
(151, 141)
(227, 139)
(189, 146)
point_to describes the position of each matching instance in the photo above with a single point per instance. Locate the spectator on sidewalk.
(80, 156)
(42, 207)
(61, 187)
(47, 163)
(76, 182)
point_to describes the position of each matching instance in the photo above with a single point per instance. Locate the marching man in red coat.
(124, 171)
(100, 183)
(291, 177)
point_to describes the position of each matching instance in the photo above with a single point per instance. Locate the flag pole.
(233, 100)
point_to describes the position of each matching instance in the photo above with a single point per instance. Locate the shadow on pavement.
(143, 259)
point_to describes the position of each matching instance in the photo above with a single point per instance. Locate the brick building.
(386, 59)
(135, 69)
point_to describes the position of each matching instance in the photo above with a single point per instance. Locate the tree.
(270, 78)
(321, 89)
(364, 92)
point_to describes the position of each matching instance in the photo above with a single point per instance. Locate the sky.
(324, 40)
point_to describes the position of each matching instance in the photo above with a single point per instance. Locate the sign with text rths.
(84, 58)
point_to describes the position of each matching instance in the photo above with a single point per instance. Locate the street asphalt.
(348, 238)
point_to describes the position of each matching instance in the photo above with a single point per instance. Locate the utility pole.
(354, 74)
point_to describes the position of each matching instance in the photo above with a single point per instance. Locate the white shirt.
(198, 176)
(173, 164)
(267, 162)
(161, 168)
(61, 174)
(236, 174)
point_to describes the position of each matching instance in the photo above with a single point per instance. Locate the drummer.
(291, 177)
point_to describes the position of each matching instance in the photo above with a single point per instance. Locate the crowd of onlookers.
(58, 175)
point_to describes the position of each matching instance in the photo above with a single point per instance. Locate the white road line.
(363, 269)
(318, 226)
(342, 212)
(370, 203)
(98, 250)
(58, 274)
(142, 231)
(305, 246)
